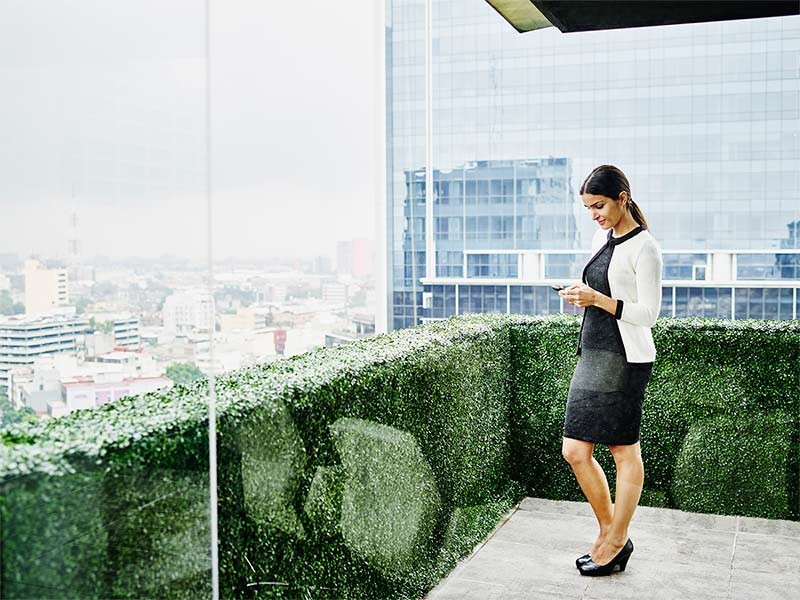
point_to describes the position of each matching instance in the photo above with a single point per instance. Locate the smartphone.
(558, 288)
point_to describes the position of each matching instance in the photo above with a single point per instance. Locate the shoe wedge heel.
(592, 569)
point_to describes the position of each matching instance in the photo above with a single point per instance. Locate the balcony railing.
(367, 470)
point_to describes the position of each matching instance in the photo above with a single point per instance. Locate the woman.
(621, 293)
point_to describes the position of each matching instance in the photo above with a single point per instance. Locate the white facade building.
(45, 289)
(187, 312)
(58, 384)
(90, 392)
(335, 293)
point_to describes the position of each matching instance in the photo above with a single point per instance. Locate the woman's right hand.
(579, 294)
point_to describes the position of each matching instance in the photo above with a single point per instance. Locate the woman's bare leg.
(630, 478)
(593, 482)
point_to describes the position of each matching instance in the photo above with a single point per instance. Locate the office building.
(23, 339)
(126, 332)
(704, 118)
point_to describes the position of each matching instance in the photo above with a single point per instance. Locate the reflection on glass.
(708, 139)
(106, 309)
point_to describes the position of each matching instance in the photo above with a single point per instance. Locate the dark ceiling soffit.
(592, 15)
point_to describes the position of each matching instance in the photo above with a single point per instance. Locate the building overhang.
(593, 15)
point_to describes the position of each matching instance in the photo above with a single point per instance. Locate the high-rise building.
(703, 118)
(45, 289)
(23, 339)
(356, 258)
(344, 258)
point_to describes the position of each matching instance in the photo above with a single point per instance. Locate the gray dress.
(604, 404)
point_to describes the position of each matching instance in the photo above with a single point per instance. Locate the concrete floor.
(677, 555)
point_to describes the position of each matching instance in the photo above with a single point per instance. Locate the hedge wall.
(367, 470)
(360, 471)
(720, 420)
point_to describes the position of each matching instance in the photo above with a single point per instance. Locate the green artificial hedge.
(359, 471)
(720, 414)
(368, 470)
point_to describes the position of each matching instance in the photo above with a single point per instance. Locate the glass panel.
(758, 266)
(105, 216)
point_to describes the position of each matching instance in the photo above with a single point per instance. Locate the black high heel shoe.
(582, 560)
(592, 569)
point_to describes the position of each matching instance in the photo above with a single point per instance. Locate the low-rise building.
(57, 385)
(188, 312)
(24, 338)
(93, 391)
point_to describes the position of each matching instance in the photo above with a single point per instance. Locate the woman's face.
(605, 211)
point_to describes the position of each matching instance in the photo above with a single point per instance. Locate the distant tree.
(184, 373)
(302, 291)
(8, 306)
(9, 414)
(81, 304)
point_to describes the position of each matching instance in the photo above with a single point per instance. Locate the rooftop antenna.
(73, 243)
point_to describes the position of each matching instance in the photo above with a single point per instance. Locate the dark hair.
(609, 181)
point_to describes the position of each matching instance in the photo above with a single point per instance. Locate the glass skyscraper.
(703, 118)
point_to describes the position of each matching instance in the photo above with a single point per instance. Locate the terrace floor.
(687, 556)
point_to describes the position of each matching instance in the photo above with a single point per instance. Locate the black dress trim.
(627, 236)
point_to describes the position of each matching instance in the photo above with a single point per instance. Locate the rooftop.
(531, 554)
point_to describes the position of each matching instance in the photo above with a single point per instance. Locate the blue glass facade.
(703, 118)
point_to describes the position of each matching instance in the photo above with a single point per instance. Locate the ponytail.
(636, 213)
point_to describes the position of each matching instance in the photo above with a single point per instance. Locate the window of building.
(564, 266)
(685, 266)
(757, 266)
(492, 265)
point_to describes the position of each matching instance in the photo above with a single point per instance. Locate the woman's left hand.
(579, 294)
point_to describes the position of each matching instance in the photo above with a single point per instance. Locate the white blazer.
(634, 277)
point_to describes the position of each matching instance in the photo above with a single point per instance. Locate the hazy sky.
(102, 112)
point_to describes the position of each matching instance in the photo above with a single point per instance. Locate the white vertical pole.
(212, 398)
(674, 293)
(430, 250)
(383, 211)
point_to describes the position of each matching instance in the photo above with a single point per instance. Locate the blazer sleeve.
(645, 311)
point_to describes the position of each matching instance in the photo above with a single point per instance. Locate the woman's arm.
(645, 311)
